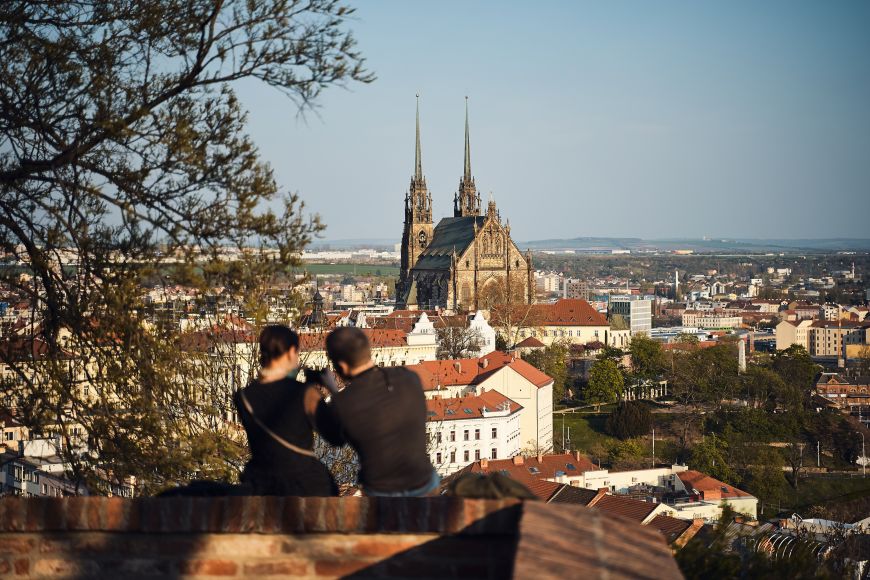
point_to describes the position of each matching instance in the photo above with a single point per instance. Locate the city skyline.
(742, 121)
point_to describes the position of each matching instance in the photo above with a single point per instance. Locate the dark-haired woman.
(277, 412)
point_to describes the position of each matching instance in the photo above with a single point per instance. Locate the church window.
(467, 264)
(516, 264)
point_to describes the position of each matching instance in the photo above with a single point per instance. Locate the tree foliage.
(123, 158)
(552, 361)
(647, 358)
(629, 419)
(605, 383)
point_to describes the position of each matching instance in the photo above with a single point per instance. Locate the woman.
(277, 412)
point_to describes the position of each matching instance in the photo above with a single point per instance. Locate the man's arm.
(327, 423)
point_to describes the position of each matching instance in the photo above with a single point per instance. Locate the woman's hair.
(275, 341)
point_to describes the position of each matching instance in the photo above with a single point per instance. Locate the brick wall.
(309, 537)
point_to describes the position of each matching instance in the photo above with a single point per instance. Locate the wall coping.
(261, 515)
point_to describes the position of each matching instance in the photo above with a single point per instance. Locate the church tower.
(466, 202)
(417, 231)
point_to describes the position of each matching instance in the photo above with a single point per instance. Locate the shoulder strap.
(271, 433)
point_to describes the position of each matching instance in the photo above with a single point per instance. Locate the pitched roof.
(532, 469)
(626, 507)
(450, 234)
(473, 371)
(563, 312)
(530, 342)
(709, 487)
(455, 408)
(378, 338)
(671, 527)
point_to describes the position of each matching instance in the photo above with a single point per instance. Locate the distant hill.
(590, 244)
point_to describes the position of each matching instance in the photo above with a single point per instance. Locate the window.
(494, 432)
(534, 470)
(477, 434)
(465, 455)
(452, 436)
(477, 454)
(438, 437)
(453, 457)
(9, 436)
(494, 453)
(465, 435)
(438, 458)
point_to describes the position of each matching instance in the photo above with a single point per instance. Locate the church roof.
(450, 233)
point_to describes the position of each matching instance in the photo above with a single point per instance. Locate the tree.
(629, 419)
(552, 361)
(796, 367)
(123, 158)
(605, 383)
(710, 456)
(647, 358)
(457, 342)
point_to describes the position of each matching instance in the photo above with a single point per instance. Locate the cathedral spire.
(467, 173)
(418, 159)
(467, 200)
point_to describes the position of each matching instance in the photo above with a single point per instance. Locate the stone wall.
(291, 537)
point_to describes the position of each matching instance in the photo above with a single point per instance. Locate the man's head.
(348, 349)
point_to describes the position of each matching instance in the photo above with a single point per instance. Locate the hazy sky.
(678, 119)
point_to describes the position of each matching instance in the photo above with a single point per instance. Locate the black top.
(273, 468)
(382, 414)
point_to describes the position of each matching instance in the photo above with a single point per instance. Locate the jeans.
(430, 486)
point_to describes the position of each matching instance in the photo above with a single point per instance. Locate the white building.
(512, 377)
(471, 428)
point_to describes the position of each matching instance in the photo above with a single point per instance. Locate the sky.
(618, 119)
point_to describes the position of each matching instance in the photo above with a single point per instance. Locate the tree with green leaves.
(124, 158)
(552, 361)
(710, 456)
(605, 384)
(647, 359)
(796, 367)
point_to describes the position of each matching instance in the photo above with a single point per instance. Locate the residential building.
(471, 428)
(675, 491)
(793, 332)
(829, 339)
(512, 377)
(567, 320)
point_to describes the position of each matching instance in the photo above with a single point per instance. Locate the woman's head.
(278, 345)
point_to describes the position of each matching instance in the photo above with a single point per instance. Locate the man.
(381, 413)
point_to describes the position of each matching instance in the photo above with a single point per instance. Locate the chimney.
(602, 491)
(577, 455)
(484, 362)
(484, 464)
(458, 366)
(540, 458)
(518, 460)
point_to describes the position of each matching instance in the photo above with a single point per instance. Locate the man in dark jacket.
(381, 413)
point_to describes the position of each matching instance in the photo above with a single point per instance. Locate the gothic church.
(463, 259)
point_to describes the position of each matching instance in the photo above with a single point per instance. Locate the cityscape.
(606, 392)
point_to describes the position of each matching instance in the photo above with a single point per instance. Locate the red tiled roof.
(455, 408)
(378, 338)
(709, 487)
(473, 371)
(626, 507)
(531, 469)
(530, 342)
(564, 312)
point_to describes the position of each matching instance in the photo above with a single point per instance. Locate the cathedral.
(466, 262)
